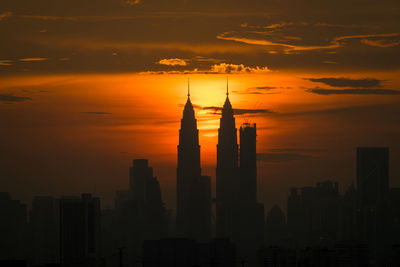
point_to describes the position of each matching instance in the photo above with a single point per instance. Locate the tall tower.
(248, 163)
(80, 231)
(372, 174)
(227, 169)
(193, 189)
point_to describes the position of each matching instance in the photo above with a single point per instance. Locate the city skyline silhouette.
(320, 226)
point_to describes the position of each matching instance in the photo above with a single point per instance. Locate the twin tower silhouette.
(236, 181)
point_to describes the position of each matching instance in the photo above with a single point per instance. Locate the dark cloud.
(276, 157)
(348, 82)
(353, 91)
(262, 90)
(217, 110)
(248, 92)
(264, 87)
(13, 98)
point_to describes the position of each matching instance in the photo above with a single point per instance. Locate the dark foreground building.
(80, 231)
(187, 252)
(13, 226)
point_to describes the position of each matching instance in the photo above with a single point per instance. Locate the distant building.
(372, 174)
(44, 226)
(147, 199)
(248, 163)
(80, 231)
(314, 215)
(275, 256)
(374, 207)
(193, 218)
(275, 227)
(13, 228)
(183, 252)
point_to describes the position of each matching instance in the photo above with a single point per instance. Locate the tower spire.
(227, 90)
(188, 94)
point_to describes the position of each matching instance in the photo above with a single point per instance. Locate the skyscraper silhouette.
(373, 194)
(227, 172)
(193, 190)
(248, 163)
(147, 200)
(372, 174)
(80, 231)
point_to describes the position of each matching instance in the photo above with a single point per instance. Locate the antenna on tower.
(227, 90)
(188, 94)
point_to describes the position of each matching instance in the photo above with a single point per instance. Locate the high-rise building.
(139, 215)
(80, 231)
(372, 175)
(248, 163)
(140, 175)
(275, 227)
(44, 224)
(193, 190)
(313, 216)
(373, 195)
(13, 224)
(248, 215)
(227, 172)
(147, 198)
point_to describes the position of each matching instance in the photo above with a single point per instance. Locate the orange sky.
(78, 133)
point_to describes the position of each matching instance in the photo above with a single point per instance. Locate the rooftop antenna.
(227, 91)
(188, 94)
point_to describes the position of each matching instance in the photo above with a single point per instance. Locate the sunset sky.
(87, 86)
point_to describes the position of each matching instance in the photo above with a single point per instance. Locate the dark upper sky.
(132, 36)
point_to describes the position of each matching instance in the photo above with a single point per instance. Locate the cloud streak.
(5, 62)
(290, 48)
(13, 98)
(5, 15)
(217, 110)
(347, 82)
(353, 91)
(172, 62)
(32, 59)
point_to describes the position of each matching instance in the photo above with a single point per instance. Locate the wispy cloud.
(289, 48)
(13, 98)
(172, 62)
(5, 62)
(130, 2)
(348, 82)
(129, 46)
(380, 43)
(329, 62)
(217, 110)
(260, 90)
(4, 15)
(30, 59)
(353, 91)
